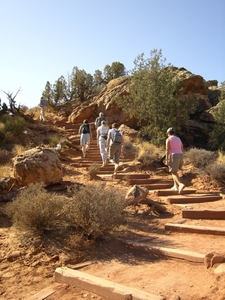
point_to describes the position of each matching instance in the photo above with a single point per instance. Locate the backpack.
(117, 139)
(85, 128)
(99, 120)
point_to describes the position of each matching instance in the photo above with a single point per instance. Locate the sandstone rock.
(38, 165)
(213, 258)
(136, 193)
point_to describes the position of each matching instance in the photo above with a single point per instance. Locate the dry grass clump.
(147, 153)
(200, 158)
(129, 147)
(217, 172)
(93, 170)
(95, 210)
(18, 149)
(34, 209)
(6, 170)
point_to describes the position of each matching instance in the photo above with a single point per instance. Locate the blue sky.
(44, 39)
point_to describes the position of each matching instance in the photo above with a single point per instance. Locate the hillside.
(128, 257)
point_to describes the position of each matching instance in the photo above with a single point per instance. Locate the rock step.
(209, 214)
(194, 229)
(193, 199)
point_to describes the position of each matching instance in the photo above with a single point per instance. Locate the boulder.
(38, 165)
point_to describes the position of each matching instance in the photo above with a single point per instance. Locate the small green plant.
(95, 210)
(14, 124)
(200, 158)
(53, 140)
(36, 210)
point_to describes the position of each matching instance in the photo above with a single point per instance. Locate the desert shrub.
(147, 153)
(200, 158)
(130, 147)
(34, 209)
(93, 170)
(14, 124)
(217, 172)
(6, 170)
(95, 210)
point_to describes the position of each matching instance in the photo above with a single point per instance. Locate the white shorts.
(84, 139)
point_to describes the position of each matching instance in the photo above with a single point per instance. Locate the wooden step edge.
(192, 199)
(168, 192)
(169, 252)
(209, 214)
(194, 229)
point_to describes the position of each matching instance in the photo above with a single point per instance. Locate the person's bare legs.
(84, 150)
(177, 182)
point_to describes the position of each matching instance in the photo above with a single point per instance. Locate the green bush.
(200, 158)
(34, 209)
(95, 210)
(15, 124)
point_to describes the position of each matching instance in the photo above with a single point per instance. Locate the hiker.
(85, 137)
(174, 158)
(99, 119)
(43, 105)
(102, 133)
(115, 145)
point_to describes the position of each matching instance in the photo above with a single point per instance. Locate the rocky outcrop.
(38, 165)
(207, 93)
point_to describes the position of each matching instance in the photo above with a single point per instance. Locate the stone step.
(194, 229)
(210, 214)
(169, 192)
(193, 199)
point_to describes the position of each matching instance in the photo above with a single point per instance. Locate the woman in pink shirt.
(174, 158)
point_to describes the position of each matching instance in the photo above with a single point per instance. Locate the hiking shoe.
(174, 188)
(181, 187)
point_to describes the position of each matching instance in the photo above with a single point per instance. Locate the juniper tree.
(154, 97)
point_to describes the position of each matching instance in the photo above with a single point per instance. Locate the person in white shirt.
(102, 133)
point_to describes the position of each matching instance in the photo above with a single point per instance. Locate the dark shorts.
(176, 162)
